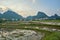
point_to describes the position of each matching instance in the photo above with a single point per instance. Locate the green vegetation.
(53, 36)
(29, 24)
(2, 21)
(32, 26)
(50, 20)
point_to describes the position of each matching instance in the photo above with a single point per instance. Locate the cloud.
(33, 1)
(28, 13)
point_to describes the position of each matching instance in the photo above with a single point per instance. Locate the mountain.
(10, 15)
(55, 16)
(40, 15)
(29, 18)
(0, 15)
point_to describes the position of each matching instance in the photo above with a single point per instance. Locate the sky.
(31, 7)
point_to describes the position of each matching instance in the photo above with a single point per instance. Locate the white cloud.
(33, 1)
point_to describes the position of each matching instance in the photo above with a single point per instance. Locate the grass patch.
(53, 36)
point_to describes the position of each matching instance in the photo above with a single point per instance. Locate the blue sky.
(31, 7)
(50, 3)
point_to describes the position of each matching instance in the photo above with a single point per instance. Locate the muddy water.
(18, 34)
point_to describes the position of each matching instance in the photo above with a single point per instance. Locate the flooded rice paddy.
(19, 34)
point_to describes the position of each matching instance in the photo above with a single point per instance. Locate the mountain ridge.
(11, 15)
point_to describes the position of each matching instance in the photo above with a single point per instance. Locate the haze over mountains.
(11, 15)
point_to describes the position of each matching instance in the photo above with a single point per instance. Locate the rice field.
(51, 32)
